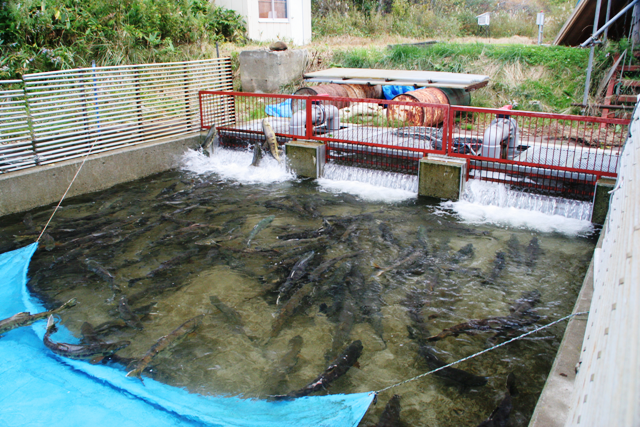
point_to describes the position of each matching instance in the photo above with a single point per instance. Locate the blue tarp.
(391, 91)
(279, 110)
(40, 388)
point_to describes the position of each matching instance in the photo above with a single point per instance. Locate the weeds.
(46, 35)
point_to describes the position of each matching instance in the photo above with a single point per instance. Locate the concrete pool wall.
(595, 379)
(40, 186)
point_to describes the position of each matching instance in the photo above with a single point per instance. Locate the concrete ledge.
(42, 185)
(442, 177)
(305, 158)
(601, 200)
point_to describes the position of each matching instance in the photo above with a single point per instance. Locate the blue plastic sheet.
(279, 110)
(40, 388)
(391, 91)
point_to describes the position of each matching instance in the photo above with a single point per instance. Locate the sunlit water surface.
(177, 238)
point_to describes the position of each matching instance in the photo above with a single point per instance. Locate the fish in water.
(89, 334)
(500, 416)
(49, 242)
(211, 141)
(532, 252)
(391, 415)
(95, 352)
(173, 262)
(319, 270)
(164, 342)
(298, 270)
(271, 139)
(232, 316)
(278, 377)
(521, 315)
(423, 240)
(452, 375)
(298, 301)
(126, 314)
(408, 259)
(102, 272)
(264, 223)
(28, 222)
(514, 248)
(257, 155)
(310, 234)
(337, 368)
(523, 305)
(466, 252)
(26, 319)
(387, 234)
(498, 265)
(346, 321)
(368, 297)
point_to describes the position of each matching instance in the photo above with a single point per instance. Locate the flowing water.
(173, 240)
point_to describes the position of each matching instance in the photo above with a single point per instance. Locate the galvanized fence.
(549, 153)
(60, 115)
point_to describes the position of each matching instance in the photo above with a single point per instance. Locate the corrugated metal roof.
(579, 26)
(398, 77)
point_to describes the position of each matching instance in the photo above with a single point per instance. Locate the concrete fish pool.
(288, 273)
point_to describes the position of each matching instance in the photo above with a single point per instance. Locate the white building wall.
(607, 385)
(295, 29)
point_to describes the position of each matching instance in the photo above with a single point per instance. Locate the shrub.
(43, 35)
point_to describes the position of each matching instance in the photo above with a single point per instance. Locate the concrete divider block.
(442, 177)
(305, 158)
(601, 200)
(264, 71)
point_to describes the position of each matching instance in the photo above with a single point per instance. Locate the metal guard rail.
(562, 154)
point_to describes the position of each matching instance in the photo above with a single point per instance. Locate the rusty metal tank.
(343, 91)
(410, 115)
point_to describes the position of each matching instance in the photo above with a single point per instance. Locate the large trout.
(25, 318)
(336, 369)
(163, 343)
(95, 351)
(270, 136)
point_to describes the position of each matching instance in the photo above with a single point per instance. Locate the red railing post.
(309, 121)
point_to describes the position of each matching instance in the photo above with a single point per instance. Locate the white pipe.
(320, 114)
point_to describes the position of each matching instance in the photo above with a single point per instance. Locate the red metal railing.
(561, 154)
(553, 153)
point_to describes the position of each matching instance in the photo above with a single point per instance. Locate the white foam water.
(488, 202)
(235, 165)
(369, 184)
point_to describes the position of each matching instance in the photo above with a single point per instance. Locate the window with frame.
(273, 9)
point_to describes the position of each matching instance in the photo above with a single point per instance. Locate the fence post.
(138, 91)
(85, 114)
(309, 120)
(449, 134)
(32, 132)
(187, 100)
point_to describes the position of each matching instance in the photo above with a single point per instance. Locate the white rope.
(65, 193)
(480, 352)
